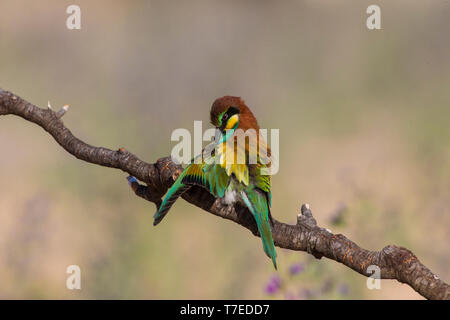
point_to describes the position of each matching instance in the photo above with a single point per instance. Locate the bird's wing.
(175, 191)
(212, 177)
(263, 182)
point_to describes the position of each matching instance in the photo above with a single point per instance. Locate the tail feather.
(257, 205)
(267, 240)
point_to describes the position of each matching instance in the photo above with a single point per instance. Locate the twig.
(394, 262)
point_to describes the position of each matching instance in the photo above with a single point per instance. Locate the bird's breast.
(232, 194)
(230, 197)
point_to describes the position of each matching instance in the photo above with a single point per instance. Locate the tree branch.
(394, 262)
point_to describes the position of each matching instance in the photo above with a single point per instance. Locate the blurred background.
(364, 121)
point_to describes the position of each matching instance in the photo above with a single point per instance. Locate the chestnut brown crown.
(246, 118)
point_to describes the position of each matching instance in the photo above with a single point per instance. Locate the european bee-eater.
(232, 181)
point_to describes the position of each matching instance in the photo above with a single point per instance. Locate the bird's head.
(230, 113)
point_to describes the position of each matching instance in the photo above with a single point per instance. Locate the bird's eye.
(225, 117)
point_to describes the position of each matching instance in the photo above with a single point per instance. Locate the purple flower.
(289, 296)
(296, 268)
(327, 286)
(306, 294)
(273, 285)
(344, 289)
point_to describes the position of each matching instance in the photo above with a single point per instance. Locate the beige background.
(363, 118)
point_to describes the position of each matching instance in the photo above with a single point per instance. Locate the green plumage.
(214, 178)
(258, 205)
(235, 181)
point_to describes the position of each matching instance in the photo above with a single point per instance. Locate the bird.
(226, 178)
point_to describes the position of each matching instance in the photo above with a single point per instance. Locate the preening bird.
(230, 173)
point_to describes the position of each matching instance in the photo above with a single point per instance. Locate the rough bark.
(394, 262)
